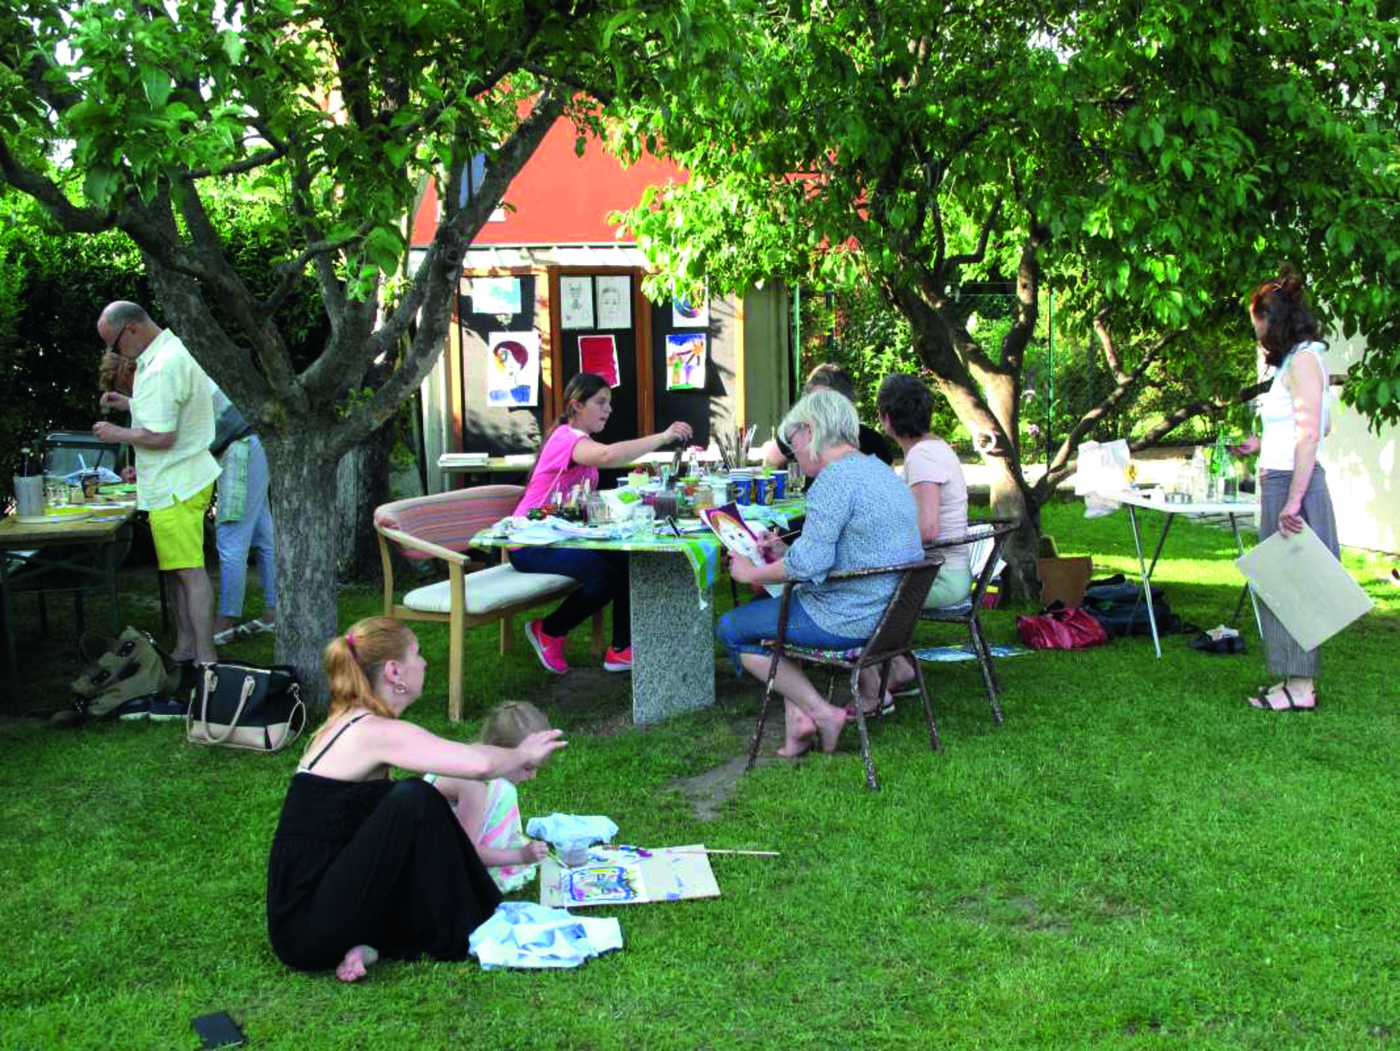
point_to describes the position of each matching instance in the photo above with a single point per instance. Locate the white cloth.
(519, 934)
(568, 830)
(171, 393)
(1279, 438)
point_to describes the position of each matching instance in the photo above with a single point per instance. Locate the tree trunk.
(1020, 579)
(362, 485)
(304, 510)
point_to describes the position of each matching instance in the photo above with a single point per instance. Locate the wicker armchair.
(985, 540)
(893, 637)
(441, 526)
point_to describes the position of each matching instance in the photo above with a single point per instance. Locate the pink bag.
(1061, 629)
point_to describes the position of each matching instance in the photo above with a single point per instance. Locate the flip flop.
(884, 708)
(257, 627)
(223, 638)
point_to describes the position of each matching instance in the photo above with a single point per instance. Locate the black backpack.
(1121, 610)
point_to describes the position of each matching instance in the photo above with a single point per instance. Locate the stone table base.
(673, 639)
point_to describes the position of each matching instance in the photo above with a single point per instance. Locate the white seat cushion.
(489, 590)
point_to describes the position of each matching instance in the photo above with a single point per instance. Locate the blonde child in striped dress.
(489, 812)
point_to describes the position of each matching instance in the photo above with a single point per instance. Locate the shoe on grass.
(549, 649)
(167, 709)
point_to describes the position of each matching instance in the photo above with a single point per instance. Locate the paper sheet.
(624, 875)
(1304, 586)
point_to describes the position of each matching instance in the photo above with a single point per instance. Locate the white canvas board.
(575, 301)
(624, 875)
(614, 301)
(1304, 586)
(496, 295)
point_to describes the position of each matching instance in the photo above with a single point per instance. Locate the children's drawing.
(685, 314)
(598, 355)
(602, 884)
(575, 301)
(685, 361)
(512, 369)
(614, 301)
(730, 527)
(496, 295)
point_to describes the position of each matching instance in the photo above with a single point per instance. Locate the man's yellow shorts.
(178, 531)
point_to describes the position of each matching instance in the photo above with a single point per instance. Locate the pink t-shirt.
(556, 471)
(933, 460)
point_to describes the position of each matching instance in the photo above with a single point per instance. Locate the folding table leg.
(1253, 598)
(1147, 574)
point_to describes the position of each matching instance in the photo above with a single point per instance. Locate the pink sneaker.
(549, 649)
(618, 660)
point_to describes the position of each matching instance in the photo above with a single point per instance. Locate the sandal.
(223, 638)
(258, 627)
(884, 708)
(1292, 706)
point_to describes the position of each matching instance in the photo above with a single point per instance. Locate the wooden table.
(21, 545)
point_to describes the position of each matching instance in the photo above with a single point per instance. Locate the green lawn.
(1135, 859)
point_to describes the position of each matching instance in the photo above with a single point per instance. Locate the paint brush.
(747, 853)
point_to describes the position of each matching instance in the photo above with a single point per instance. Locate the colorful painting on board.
(614, 301)
(512, 369)
(661, 874)
(598, 355)
(609, 884)
(496, 295)
(575, 302)
(685, 314)
(685, 361)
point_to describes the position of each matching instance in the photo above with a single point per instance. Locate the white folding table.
(1234, 510)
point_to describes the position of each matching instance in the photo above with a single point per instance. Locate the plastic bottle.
(1200, 476)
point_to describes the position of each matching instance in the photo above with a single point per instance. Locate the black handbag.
(246, 706)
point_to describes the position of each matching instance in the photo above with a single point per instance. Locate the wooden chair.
(441, 526)
(893, 637)
(985, 541)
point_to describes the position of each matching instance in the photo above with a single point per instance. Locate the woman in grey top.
(859, 515)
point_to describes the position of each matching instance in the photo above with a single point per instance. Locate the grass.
(1135, 859)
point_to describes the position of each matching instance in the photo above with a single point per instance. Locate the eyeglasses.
(116, 344)
(803, 429)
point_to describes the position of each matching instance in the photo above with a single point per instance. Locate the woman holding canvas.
(1292, 484)
(859, 516)
(570, 455)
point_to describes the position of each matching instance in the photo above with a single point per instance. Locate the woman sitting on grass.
(362, 865)
(859, 516)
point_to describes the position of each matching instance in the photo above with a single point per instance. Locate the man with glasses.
(172, 424)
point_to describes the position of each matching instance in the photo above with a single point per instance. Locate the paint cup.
(90, 483)
(573, 854)
(29, 495)
(779, 484)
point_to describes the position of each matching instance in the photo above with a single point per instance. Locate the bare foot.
(830, 732)
(801, 732)
(357, 961)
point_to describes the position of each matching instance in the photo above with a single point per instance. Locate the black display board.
(692, 406)
(490, 428)
(623, 423)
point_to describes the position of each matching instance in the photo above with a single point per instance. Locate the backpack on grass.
(129, 667)
(1118, 605)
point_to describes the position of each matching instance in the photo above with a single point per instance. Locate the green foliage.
(1149, 162)
(1107, 870)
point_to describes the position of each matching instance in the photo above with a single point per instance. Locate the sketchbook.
(734, 533)
(1304, 586)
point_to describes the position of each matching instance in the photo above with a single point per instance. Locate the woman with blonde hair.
(363, 865)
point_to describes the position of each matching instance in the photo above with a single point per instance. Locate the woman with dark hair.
(363, 865)
(569, 456)
(934, 476)
(1292, 484)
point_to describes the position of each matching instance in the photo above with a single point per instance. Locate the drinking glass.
(644, 521)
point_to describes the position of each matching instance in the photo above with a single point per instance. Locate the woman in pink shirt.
(568, 456)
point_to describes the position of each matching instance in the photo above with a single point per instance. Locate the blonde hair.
(830, 416)
(352, 663)
(510, 723)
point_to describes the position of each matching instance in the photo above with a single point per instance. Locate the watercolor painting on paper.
(512, 369)
(598, 355)
(685, 361)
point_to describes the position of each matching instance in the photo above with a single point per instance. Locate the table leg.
(1147, 574)
(110, 559)
(673, 639)
(1253, 598)
(7, 613)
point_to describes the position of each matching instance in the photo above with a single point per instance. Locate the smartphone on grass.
(218, 1030)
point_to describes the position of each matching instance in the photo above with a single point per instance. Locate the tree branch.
(51, 196)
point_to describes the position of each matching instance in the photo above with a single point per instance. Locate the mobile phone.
(218, 1030)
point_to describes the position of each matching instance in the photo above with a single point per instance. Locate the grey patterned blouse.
(859, 514)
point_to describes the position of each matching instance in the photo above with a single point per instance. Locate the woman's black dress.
(378, 863)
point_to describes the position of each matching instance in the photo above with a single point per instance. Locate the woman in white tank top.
(1292, 484)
